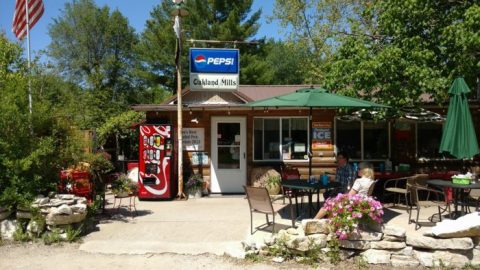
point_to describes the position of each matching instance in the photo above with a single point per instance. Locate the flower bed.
(347, 212)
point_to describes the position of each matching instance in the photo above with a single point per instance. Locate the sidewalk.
(216, 225)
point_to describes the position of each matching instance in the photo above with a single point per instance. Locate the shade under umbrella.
(459, 138)
(314, 98)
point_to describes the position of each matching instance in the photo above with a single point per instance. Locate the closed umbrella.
(314, 98)
(459, 138)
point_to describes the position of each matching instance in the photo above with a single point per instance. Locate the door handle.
(244, 156)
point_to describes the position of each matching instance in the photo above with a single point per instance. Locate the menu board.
(322, 136)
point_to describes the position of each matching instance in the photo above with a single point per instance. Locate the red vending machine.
(155, 162)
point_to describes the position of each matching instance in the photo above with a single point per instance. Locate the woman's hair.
(368, 173)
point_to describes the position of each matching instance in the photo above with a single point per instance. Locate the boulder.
(407, 251)
(301, 244)
(387, 245)
(259, 175)
(366, 236)
(376, 256)
(441, 258)
(42, 201)
(313, 226)
(65, 219)
(65, 210)
(466, 226)
(392, 238)
(435, 244)
(35, 228)
(359, 245)
(389, 230)
(403, 261)
(24, 214)
(8, 228)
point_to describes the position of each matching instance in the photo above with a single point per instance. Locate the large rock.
(319, 240)
(52, 219)
(376, 256)
(8, 228)
(466, 226)
(35, 228)
(392, 238)
(403, 261)
(24, 214)
(65, 210)
(433, 243)
(301, 244)
(359, 245)
(313, 226)
(441, 258)
(407, 251)
(387, 245)
(366, 236)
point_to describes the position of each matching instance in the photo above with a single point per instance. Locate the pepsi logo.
(200, 59)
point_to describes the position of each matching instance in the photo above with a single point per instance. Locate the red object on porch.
(77, 183)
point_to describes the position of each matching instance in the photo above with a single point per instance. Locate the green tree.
(32, 147)
(223, 20)
(393, 51)
(93, 47)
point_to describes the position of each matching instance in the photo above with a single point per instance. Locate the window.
(280, 138)
(429, 136)
(363, 139)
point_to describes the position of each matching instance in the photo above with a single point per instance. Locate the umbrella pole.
(310, 153)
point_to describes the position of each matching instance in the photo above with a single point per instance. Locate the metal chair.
(419, 202)
(372, 188)
(259, 202)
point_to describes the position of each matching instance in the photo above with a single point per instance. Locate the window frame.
(362, 142)
(280, 118)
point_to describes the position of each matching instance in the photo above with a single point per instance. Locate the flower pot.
(194, 194)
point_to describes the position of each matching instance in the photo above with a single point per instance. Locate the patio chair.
(434, 198)
(396, 187)
(259, 202)
(372, 188)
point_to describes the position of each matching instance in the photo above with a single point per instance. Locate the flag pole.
(29, 59)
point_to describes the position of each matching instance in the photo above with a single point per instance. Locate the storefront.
(224, 140)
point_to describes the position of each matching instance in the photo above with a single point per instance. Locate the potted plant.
(273, 184)
(194, 185)
(122, 186)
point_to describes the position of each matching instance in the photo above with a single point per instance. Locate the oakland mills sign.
(214, 69)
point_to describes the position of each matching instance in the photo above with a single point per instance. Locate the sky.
(137, 12)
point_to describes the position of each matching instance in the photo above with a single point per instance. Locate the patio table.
(458, 193)
(309, 189)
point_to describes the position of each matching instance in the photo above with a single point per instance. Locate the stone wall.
(60, 211)
(387, 245)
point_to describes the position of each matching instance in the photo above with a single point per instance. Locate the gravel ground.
(67, 256)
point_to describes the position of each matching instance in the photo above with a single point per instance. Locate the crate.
(461, 180)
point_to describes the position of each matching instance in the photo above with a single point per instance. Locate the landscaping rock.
(42, 201)
(403, 261)
(392, 238)
(65, 219)
(359, 245)
(35, 228)
(440, 244)
(64, 209)
(313, 226)
(441, 258)
(79, 208)
(407, 251)
(301, 244)
(66, 196)
(366, 236)
(387, 245)
(466, 226)
(8, 228)
(24, 214)
(376, 256)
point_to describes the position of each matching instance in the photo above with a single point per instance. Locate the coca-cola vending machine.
(155, 162)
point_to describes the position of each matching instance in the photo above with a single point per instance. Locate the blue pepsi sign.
(214, 61)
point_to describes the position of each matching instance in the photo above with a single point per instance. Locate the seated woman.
(360, 186)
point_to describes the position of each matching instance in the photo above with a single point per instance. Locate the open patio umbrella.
(459, 138)
(314, 98)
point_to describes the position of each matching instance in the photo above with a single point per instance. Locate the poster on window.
(322, 136)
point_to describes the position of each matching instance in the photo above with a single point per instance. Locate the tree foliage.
(223, 20)
(394, 51)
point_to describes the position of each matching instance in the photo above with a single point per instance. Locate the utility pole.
(179, 12)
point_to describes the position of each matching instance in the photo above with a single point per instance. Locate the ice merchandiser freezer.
(156, 162)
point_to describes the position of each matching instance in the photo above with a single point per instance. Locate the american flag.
(35, 11)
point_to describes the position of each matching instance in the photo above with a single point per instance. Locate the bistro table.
(309, 188)
(458, 193)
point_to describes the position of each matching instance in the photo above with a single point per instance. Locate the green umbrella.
(459, 138)
(314, 97)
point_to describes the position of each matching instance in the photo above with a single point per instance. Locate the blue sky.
(137, 12)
